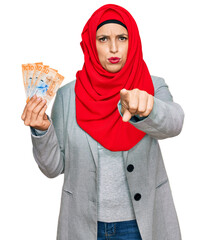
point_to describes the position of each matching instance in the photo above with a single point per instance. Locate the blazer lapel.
(93, 146)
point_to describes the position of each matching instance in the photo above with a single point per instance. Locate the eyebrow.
(104, 35)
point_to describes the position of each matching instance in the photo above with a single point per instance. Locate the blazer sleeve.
(48, 147)
(166, 118)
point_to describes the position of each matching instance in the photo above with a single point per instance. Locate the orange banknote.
(41, 80)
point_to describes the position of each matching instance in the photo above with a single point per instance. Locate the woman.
(103, 135)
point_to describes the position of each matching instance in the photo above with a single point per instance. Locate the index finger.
(124, 94)
(26, 106)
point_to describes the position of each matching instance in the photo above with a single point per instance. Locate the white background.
(173, 40)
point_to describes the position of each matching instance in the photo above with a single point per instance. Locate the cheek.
(102, 54)
(125, 53)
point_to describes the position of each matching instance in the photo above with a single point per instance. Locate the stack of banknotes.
(41, 80)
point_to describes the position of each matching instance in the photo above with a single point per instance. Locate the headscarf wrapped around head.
(98, 91)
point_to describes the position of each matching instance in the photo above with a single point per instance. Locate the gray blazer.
(67, 148)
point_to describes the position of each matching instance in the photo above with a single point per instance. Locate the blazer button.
(137, 196)
(130, 168)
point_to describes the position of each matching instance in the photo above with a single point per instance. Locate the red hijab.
(98, 91)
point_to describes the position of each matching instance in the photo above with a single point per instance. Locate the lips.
(114, 59)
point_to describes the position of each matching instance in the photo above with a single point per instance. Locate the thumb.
(45, 117)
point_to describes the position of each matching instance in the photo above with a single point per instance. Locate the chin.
(114, 69)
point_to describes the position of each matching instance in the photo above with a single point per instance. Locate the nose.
(113, 46)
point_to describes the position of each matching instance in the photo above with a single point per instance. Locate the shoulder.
(158, 82)
(67, 88)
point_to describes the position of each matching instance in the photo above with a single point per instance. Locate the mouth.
(114, 59)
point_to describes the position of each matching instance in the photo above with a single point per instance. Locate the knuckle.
(136, 92)
(151, 98)
(40, 101)
(29, 109)
(149, 109)
(41, 114)
(133, 106)
(141, 109)
(144, 114)
(26, 123)
(35, 111)
(143, 94)
(32, 124)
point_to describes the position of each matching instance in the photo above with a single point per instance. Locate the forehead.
(111, 28)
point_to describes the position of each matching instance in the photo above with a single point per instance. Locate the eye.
(102, 39)
(122, 38)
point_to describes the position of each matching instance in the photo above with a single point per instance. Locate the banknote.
(24, 72)
(28, 71)
(35, 74)
(40, 80)
(53, 87)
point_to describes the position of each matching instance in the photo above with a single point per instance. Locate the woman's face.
(112, 46)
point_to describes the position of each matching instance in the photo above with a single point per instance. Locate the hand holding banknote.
(41, 84)
(34, 114)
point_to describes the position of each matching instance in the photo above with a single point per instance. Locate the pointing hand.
(135, 102)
